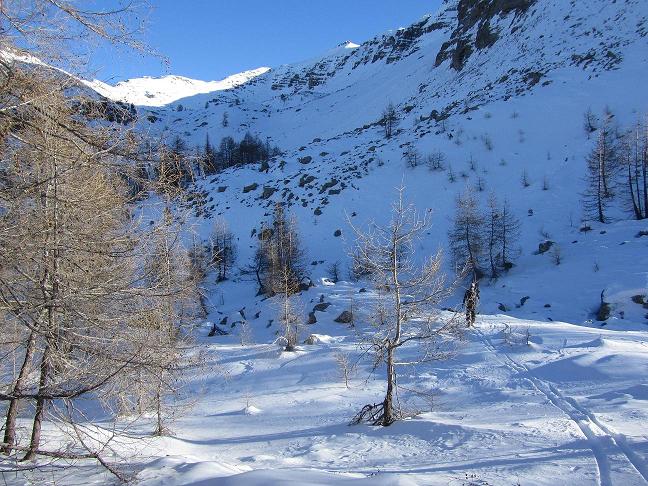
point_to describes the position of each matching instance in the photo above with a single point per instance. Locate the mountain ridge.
(163, 90)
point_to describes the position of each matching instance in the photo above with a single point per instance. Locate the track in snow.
(607, 445)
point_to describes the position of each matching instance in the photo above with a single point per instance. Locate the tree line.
(229, 153)
(177, 164)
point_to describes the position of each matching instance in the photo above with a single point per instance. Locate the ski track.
(603, 441)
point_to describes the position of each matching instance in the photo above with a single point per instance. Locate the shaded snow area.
(522, 402)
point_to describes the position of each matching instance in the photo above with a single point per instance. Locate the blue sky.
(210, 39)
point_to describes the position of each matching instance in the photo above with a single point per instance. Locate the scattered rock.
(337, 233)
(251, 187)
(306, 284)
(321, 307)
(604, 312)
(305, 179)
(312, 339)
(328, 185)
(311, 319)
(605, 309)
(268, 192)
(544, 247)
(345, 318)
(218, 331)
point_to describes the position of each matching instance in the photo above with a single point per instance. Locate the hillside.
(500, 88)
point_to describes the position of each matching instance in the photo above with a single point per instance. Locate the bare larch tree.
(408, 292)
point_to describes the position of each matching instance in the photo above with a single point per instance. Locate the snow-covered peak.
(349, 45)
(150, 91)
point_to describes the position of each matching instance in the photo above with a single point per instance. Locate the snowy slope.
(511, 101)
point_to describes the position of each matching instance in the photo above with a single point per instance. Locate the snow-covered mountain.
(498, 86)
(148, 91)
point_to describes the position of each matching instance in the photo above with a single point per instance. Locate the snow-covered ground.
(568, 407)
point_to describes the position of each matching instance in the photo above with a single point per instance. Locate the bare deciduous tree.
(502, 229)
(404, 314)
(72, 290)
(334, 271)
(389, 120)
(345, 367)
(75, 300)
(597, 193)
(634, 162)
(412, 157)
(222, 249)
(279, 260)
(466, 236)
(590, 122)
(436, 160)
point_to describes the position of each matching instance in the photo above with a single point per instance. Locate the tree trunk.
(12, 411)
(50, 291)
(601, 190)
(636, 209)
(40, 405)
(159, 428)
(262, 289)
(644, 166)
(471, 260)
(491, 248)
(504, 231)
(388, 404)
(603, 156)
